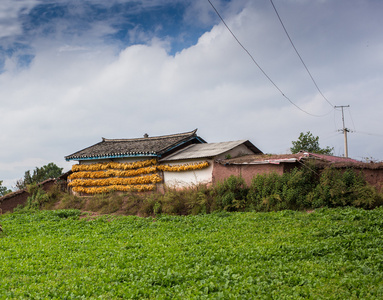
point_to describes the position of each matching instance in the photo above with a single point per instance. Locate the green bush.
(277, 192)
(305, 189)
(39, 198)
(151, 205)
(201, 200)
(367, 197)
(265, 191)
(296, 185)
(336, 188)
(231, 194)
(191, 200)
(302, 188)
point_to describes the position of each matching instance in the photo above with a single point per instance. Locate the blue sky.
(72, 72)
(91, 23)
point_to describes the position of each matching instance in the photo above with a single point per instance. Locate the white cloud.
(9, 13)
(73, 94)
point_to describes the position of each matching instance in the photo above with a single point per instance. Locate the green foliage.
(347, 188)
(307, 142)
(231, 194)
(327, 254)
(3, 189)
(301, 189)
(192, 200)
(50, 170)
(40, 199)
(305, 189)
(276, 192)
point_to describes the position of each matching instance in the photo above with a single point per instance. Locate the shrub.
(191, 200)
(297, 185)
(174, 202)
(265, 191)
(337, 188)
(201, 200)
(151, 205)
(231, 194)
(39, 198)
(367, 197)
(67, 213)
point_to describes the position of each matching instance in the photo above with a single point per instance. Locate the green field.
(326, 254)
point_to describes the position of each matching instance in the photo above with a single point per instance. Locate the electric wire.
(367, 133)
(352, 120)
(300, 57)
(259, 67)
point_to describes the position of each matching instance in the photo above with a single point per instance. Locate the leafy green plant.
(231, 194)
(151, 205)
(3, 189)
(337, 188)
(265, 191)
(327, 254)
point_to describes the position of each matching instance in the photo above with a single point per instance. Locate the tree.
(50, 170)
(307, 142)
(3, 189)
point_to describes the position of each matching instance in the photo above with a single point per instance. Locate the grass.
(326, 254)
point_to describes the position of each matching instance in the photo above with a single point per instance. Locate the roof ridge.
(146, 146)
(191, 133)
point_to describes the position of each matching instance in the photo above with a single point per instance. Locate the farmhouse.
(146, 164)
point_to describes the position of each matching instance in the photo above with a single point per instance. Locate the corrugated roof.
(208, 150)
(146, 146)
(286, 158)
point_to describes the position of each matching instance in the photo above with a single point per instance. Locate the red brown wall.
(374, 177)
(8, 204)
(11, 201)
(247, 172)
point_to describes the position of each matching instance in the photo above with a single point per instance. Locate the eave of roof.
(139, 147)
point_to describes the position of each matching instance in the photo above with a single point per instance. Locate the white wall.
(189, 178)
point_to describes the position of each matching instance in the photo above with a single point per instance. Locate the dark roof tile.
(146, 146)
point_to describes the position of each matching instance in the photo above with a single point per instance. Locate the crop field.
(325, 254)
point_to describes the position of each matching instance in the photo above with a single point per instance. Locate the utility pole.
(345, 130)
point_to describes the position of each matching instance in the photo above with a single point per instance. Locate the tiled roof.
(156, 146)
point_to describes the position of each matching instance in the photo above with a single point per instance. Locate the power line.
(367, 133)
(312, 78)
(352, 121)
(259, 67)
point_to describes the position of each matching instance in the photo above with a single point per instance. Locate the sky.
(72, 72)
